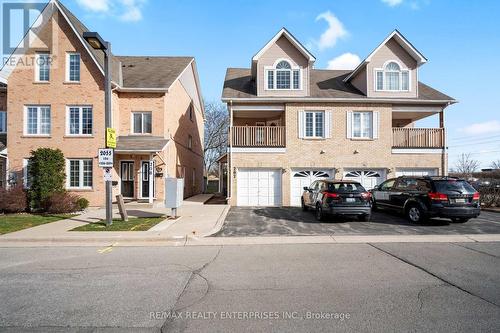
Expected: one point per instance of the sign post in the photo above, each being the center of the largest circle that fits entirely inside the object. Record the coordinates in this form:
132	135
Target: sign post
106	157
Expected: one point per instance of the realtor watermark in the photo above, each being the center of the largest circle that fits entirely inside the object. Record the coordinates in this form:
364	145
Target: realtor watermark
250	315
25	32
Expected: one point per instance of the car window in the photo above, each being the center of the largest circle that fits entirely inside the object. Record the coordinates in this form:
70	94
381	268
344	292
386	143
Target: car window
387	185
423	186
346	187
452	185
407	184
314	186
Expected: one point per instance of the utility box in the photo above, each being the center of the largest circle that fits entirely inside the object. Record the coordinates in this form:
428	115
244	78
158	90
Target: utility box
174	192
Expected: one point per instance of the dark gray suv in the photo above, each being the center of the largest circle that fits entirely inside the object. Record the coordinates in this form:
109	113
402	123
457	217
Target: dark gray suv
336	197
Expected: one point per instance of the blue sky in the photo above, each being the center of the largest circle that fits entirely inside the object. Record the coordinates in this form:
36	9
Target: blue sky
460	38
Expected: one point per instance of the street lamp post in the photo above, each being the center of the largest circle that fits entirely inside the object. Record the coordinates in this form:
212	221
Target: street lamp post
95	40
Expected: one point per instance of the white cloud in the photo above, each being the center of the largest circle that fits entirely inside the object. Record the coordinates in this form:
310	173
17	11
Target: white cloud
124	10
492	126
334	32
94	5
344	61
392	3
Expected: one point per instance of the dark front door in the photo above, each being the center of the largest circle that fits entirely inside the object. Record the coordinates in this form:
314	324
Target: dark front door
145	179
127	177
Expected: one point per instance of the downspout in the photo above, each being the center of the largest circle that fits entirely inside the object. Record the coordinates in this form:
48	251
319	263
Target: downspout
230	160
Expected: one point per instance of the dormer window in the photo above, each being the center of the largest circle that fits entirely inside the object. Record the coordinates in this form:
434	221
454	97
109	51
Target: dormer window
283	77
392	78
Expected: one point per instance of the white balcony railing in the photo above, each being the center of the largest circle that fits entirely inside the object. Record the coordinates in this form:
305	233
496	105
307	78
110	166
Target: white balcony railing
417	137
258	136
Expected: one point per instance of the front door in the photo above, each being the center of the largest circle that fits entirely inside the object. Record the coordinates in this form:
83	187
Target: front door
145	172
127	178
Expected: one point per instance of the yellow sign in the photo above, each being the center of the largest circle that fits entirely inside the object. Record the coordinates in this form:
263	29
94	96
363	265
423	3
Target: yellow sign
110	137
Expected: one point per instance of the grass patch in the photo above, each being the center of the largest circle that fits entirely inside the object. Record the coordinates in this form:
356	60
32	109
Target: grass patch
16	222
133	224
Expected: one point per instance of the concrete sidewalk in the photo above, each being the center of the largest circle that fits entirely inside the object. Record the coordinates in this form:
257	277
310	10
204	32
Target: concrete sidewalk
195	220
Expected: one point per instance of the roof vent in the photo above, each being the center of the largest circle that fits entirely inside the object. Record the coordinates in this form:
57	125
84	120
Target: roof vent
131	65
147	58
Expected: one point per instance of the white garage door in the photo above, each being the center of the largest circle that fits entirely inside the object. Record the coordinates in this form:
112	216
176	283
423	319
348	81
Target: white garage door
301	178
259	187
416	172
369	178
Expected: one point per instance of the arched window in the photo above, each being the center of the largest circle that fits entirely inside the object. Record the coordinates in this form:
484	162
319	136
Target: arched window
283	77
392	78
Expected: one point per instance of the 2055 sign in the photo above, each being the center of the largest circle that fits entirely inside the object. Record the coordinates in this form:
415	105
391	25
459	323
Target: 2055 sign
105	158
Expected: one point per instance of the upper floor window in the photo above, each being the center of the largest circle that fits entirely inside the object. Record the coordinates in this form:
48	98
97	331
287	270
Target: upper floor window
42	65
73	67
79	120
283	77
315	124
191	111
392	78
141	123
190	142
3	122
37	120
362	124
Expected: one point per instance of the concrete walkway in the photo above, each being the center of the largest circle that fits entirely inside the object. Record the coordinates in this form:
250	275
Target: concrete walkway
195	220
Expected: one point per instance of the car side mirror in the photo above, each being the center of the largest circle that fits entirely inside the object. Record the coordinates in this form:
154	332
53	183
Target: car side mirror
376	188
307	189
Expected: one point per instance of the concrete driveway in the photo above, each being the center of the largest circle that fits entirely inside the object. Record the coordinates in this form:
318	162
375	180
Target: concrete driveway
292	221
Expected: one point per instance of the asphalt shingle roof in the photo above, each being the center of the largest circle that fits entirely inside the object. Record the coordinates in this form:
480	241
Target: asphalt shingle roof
323	84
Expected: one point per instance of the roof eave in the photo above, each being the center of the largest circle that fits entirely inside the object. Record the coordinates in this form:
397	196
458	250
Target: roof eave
333	99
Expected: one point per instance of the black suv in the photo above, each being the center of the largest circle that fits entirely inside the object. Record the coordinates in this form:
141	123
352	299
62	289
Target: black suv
337	198
420	198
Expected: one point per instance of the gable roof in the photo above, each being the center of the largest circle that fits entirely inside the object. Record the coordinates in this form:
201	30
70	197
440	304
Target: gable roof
323	85
402	41
292	39
151	72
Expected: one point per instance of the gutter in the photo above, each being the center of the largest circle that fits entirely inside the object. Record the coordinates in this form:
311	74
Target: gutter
344	100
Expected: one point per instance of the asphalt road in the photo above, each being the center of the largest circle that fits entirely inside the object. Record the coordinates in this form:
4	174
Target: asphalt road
292	221
302	287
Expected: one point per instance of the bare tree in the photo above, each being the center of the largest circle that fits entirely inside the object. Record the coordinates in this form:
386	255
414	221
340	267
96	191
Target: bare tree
495	164
216	134
466	165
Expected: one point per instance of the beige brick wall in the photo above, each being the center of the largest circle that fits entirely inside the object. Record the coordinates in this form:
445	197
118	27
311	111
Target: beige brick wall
178	127
339	151
146	102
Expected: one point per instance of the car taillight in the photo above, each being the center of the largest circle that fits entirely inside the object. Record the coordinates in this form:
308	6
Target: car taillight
331	195
476	196
438	196
366	195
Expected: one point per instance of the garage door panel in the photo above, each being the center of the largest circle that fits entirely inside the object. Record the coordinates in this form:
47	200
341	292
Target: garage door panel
258	187
369	178
301	178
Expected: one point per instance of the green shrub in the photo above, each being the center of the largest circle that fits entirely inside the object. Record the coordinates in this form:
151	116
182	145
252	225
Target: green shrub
82	203
47	174
13	200
61	202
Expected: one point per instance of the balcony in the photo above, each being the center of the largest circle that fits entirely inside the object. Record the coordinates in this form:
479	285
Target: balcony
258	136
420	138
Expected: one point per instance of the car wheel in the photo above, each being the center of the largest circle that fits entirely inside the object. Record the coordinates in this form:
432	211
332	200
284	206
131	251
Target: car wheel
459	219
319	213
304	207
415	214
365	217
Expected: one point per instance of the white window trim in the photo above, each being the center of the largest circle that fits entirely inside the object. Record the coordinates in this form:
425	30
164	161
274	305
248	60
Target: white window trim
382	69
5	113
314	136
37	67
80	113
80	176
67	67
372	126
39	120
272	68
142	123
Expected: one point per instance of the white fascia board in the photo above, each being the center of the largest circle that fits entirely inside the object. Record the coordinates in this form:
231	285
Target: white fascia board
353	100
256	150
292	40
405	44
